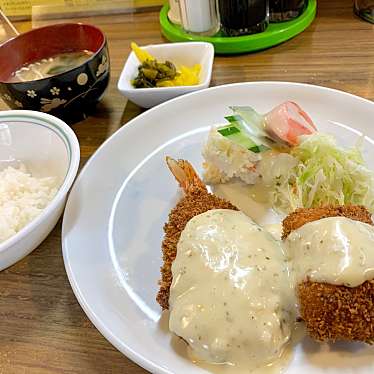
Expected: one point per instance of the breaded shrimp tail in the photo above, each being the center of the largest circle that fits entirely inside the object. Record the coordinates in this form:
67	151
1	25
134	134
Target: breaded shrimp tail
333	312
196	201
186	176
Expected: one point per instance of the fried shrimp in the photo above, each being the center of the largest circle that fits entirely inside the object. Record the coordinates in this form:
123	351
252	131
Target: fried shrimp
332	311
196	200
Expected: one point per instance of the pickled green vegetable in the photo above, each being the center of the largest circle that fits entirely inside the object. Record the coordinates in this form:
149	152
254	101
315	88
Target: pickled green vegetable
151	72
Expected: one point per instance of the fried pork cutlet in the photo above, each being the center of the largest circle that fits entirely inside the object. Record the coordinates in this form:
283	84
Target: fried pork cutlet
334	312
197	200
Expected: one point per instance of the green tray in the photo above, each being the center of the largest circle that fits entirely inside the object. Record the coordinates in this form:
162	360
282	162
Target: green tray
276	33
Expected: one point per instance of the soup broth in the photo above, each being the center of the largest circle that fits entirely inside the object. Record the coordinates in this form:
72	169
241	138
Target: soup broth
48	67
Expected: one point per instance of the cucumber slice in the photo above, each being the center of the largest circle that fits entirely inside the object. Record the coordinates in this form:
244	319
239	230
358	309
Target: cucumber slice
228	130
236	135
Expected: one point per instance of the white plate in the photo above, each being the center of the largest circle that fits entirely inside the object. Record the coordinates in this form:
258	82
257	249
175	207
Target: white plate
112	226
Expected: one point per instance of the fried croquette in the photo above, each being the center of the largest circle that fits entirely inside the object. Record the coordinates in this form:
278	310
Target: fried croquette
337	312
304	215
333	312
196	201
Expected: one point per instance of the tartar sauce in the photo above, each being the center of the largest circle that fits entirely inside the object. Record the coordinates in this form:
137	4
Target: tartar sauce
231	298
334	250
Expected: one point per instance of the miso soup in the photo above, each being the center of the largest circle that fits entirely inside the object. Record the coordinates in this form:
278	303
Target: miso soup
48	67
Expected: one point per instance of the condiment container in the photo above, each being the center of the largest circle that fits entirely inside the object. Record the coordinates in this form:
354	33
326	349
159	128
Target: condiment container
174	12
241	17
199	16
285	10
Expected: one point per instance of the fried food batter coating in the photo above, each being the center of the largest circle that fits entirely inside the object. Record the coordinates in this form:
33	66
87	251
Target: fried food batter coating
196	201
304	215
337	312
334	312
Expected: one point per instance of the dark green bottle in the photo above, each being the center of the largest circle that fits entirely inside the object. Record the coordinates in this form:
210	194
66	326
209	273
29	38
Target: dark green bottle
285	10
241	17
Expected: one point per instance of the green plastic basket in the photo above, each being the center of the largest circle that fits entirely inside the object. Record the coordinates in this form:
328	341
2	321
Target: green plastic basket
276	33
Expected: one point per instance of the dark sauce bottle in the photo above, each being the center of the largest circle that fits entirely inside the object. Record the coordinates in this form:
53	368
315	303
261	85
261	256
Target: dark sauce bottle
241	17
285	10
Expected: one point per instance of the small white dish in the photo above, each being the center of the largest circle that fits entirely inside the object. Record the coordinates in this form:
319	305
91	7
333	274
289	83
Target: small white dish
47	147
187	54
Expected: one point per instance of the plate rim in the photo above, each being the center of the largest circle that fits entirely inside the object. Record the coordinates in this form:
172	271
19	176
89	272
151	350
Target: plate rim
121	346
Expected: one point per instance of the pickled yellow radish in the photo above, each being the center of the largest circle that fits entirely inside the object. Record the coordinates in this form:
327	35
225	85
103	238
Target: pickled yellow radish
185	76
141	54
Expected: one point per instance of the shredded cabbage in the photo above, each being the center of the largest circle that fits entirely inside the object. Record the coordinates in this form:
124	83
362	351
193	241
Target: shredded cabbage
323	174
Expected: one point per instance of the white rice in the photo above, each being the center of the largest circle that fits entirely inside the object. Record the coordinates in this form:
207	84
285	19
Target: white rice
22	198
225	160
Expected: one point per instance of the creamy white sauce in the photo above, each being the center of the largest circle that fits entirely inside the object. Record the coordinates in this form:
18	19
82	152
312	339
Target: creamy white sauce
253	200
276	367
231	299
274	229
335	250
